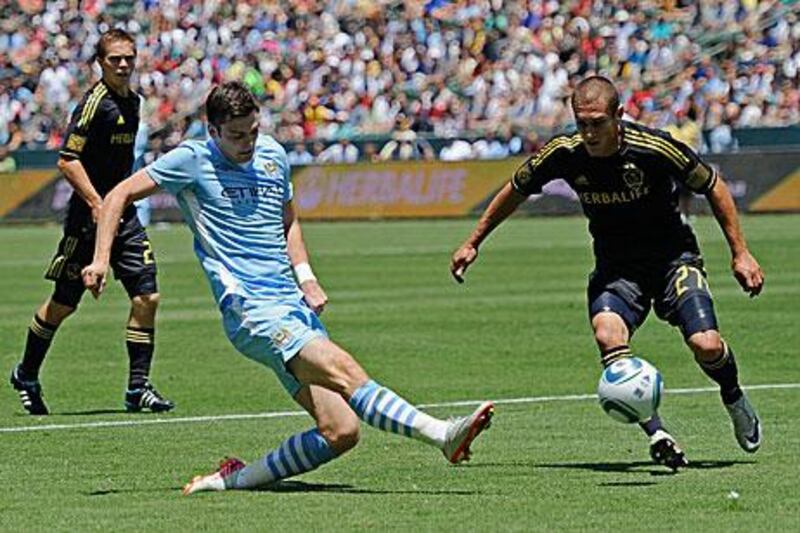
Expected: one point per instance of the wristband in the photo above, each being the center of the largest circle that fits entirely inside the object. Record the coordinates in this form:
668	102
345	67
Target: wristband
303	273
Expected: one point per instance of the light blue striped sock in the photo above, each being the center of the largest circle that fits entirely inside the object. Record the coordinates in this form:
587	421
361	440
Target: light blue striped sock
381	408
299	453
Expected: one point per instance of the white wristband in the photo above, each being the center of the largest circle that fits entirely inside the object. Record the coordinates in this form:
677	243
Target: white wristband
303	273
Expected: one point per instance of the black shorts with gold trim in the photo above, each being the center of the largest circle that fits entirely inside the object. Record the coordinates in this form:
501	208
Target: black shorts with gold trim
676	290
132	260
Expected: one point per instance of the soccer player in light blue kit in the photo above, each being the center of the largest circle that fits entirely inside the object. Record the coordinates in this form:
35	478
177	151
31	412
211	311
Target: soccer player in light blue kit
236	196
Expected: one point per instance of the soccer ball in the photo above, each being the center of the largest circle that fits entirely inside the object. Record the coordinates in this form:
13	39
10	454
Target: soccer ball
630	390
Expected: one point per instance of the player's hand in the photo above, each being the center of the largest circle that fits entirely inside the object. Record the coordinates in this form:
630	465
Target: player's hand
94	278
748	273
314	296
461	260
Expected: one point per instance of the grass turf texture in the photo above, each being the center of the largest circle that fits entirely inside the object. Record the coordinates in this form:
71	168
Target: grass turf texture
516	329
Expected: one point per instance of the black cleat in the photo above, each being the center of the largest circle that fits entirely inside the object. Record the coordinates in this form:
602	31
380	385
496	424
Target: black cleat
30	394
665	452
147	397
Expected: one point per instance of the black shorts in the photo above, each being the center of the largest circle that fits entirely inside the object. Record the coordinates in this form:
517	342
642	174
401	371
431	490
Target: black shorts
677	291
132	260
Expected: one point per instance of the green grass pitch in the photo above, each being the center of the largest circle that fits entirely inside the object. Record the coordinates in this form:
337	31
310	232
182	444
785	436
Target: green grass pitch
516	330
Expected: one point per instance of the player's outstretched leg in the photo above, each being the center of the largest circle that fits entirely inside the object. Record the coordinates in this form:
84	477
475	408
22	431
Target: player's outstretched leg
382	408
718	362
337	432
298	454
323	363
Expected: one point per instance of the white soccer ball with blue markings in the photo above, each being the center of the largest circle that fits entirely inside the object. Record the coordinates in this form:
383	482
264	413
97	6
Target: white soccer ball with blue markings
630	390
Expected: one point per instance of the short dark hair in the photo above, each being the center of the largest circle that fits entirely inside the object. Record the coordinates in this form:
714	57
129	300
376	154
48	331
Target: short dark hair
109	37
230	100
596	87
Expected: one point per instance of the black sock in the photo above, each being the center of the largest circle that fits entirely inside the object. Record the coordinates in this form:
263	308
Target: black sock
724	371
651	425
40	335
612	354
140	343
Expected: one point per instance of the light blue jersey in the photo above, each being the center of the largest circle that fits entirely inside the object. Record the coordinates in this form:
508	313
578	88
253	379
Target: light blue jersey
235	212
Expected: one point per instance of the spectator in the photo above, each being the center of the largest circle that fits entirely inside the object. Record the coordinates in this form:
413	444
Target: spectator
331	69
342	151
405	144
299	155
7	162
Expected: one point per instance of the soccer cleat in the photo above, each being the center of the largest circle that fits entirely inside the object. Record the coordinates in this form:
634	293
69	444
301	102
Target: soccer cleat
30	394
462	431
147	397
214	481
665	451
746	425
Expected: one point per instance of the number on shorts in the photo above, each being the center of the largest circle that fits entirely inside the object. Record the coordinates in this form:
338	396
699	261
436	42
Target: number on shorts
684	271
147	255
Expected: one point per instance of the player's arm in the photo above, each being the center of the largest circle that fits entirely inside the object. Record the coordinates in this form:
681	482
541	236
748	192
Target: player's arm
76	175
502	205
137	186
745	267
298	255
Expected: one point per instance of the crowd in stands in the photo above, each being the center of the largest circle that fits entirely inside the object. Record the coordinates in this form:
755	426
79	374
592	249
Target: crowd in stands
329	72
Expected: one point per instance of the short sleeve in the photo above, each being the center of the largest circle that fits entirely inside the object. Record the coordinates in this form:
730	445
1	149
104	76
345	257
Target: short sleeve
175	170
80	123
541	168
695	173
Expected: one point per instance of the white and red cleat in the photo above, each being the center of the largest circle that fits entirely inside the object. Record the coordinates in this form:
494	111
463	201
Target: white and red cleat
216	480
462	431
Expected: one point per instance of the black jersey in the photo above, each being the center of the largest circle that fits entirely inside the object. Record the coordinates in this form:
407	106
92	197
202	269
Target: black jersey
631	197
101	133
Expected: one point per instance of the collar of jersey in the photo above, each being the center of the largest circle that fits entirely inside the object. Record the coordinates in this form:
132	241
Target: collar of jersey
212	145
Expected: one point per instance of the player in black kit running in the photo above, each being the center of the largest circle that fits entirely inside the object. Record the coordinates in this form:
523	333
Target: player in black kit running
626	177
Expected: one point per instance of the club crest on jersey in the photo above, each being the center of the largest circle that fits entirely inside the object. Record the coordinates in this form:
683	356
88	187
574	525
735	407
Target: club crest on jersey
633	177
270	167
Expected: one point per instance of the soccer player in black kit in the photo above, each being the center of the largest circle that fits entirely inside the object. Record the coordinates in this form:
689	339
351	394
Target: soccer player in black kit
626	176
96	155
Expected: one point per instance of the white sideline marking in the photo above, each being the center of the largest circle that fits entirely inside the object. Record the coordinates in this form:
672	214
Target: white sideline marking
286	414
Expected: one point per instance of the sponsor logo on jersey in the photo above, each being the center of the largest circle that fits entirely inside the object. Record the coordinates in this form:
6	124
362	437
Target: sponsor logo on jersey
252	192
123	138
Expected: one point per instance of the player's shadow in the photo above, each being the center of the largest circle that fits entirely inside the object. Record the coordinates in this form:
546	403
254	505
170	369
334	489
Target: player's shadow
92	412
290	486
640	467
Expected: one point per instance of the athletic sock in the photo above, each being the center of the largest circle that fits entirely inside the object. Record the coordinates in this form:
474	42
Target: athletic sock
652	425
381	408
299	453
140	343
40	336
613	354
725	373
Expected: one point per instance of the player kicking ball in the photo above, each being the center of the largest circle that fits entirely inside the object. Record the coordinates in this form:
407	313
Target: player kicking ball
236	196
